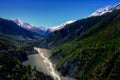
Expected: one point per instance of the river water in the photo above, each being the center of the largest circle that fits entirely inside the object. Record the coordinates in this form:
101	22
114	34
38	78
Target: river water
48	65
43	64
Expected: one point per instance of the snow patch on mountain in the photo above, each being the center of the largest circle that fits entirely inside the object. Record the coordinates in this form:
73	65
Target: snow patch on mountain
55	28
40	30
102	11
105	10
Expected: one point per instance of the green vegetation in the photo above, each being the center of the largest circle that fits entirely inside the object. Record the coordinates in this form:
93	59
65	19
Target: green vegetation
11	68
88	49
11	57
14	50
92	46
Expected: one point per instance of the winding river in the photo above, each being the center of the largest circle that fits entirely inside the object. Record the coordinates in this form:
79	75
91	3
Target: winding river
43	64
48	65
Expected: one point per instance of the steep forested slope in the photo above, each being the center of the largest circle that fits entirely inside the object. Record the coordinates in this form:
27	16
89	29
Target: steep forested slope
88	49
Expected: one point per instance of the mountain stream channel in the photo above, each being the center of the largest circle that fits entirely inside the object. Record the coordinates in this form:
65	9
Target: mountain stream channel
42	63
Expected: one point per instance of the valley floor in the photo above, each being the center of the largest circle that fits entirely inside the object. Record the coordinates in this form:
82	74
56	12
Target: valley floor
36	60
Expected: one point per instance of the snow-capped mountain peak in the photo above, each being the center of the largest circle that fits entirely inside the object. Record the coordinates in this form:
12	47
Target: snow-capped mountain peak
102	11
18	21
23	24
105	10
117	6
54	28
40	30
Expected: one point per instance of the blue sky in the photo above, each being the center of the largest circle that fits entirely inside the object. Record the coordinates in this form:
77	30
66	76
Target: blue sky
49	13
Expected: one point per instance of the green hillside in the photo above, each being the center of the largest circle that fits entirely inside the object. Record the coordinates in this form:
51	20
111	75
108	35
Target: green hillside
14	50
11	58
88	49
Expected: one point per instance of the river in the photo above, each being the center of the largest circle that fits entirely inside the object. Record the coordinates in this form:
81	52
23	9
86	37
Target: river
43	64
48	65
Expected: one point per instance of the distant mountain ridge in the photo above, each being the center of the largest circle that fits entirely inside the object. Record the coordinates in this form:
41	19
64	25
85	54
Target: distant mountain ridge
55	28
11	31
105	10
44	32
40	30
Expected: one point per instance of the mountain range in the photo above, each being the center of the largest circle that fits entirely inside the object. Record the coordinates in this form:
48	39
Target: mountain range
44	32
105	10
88	49
85	49
41	30
13	32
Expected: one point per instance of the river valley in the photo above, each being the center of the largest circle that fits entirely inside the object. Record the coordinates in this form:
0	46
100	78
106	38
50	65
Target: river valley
43	64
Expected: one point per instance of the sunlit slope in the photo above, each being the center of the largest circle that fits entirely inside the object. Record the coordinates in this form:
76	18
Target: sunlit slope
93	53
